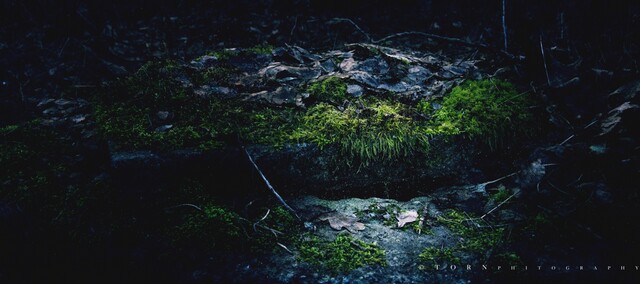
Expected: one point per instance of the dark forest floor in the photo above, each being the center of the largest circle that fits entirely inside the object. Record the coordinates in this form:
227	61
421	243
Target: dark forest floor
79	217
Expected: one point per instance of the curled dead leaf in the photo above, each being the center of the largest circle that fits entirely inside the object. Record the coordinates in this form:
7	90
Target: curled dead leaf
406	217
339	221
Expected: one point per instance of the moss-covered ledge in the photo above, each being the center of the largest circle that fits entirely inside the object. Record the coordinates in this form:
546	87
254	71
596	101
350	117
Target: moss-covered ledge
330	138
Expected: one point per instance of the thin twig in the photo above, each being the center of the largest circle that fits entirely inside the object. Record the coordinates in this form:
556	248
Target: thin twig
186	205
62	48
590	124
261	219
499	179
504	22
284	247
273	231
501	203
566	140
444	38
295	24
266	181
354	24
546	71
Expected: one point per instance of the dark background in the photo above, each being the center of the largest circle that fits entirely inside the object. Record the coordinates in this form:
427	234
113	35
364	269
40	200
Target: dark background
49	48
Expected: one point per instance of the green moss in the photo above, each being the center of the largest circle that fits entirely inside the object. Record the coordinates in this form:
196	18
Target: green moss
31	158
508	259
385	213
417	228
213	227
476	240
217	75
365	130
486	109
225	54
439	256
261	49
344	254
382	130
332	89
501	195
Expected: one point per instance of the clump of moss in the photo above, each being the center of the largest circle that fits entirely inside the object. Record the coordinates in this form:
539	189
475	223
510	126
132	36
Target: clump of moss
213	227
385	213
126	112
344	254
501	195
32	157
332	89
225	54
475	239
218	75
365	130
261	49
439	256
487	108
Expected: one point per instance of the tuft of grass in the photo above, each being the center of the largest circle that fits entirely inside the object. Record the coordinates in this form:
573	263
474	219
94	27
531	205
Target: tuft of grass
380	130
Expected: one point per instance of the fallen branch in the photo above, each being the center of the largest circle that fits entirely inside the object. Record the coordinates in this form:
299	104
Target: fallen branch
431	36
273	231
504	22
334	20
481	186
546	71
261	219
501	203
266	181
284	247
447	39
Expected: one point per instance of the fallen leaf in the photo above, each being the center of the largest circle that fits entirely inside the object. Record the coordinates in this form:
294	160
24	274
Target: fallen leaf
339	221
407	217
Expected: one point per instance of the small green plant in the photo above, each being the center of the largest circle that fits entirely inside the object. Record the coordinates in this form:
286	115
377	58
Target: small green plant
344	254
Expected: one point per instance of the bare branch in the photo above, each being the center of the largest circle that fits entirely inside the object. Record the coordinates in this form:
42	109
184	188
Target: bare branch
266	181
335	20
501	203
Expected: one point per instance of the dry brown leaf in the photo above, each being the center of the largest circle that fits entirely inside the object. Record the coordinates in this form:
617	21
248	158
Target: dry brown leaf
407	217
339	221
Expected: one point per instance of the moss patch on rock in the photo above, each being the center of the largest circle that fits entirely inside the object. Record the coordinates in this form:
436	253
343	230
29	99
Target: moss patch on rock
332	89
486	109
344	254
474	240
367	129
